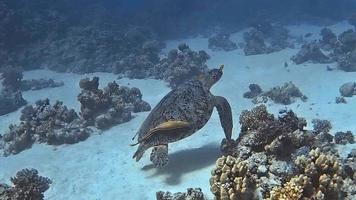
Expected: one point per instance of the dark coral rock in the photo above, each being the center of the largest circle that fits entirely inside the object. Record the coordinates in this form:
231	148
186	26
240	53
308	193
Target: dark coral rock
347	62
255	90
329	39
255	43
28	185
285	94
348	89
221	41
10	101
321	126
310	53
111	105
191	194
11	78
347	41
339	100
344	137
39	84
181	65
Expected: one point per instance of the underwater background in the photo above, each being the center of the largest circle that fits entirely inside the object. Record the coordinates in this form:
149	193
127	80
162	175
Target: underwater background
79	78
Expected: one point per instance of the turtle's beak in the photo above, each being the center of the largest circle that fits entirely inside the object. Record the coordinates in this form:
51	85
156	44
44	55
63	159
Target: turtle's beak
221	67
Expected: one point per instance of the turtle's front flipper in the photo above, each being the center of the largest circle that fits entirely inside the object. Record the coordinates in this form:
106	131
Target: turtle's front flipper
224	110
159	155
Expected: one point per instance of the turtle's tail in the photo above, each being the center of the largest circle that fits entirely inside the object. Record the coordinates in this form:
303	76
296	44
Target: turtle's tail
139	152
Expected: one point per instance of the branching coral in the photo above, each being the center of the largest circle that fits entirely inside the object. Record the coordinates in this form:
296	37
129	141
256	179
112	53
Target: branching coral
320	178
231	180
191	194
28	185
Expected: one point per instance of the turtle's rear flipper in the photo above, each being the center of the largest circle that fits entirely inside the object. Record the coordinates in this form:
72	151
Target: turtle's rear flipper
164	128
159	155
224	110
139	152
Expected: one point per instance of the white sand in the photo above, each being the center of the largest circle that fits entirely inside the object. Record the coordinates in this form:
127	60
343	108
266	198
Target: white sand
101	167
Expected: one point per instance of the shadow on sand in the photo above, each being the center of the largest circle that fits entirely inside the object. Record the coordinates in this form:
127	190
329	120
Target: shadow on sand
186	161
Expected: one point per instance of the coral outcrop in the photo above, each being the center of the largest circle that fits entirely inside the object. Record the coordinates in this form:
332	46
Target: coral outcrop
28	185
255	43
109	106
285	94
191	194
348	89
329	39
181	65
44	123
221	42
344	137
310	53
10	94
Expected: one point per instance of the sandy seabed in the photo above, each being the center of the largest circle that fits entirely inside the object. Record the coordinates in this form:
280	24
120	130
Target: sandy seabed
101	167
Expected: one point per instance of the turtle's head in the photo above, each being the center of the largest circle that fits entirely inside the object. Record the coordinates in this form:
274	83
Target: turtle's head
211	77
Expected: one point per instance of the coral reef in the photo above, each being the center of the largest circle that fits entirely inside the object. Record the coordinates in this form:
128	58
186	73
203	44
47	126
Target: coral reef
10	95
221	41
180	65
310	53
348	89
191	194
344	137
321	126
44	123
28	185
285	94
255	91
231	180
39	84
340	100
255	43
329	39
284	160
320	176
265	38
109	106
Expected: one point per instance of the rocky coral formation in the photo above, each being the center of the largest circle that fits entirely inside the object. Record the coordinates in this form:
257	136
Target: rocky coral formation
329	39
255	43
28	185
278	155
44	123
285	94
310	53
348	89
255	91
265	38
10	95
109	106
344	137
181	65
221	42
38	84
191	194
231	180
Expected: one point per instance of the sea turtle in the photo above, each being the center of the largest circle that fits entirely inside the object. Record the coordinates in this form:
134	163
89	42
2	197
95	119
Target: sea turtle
182	112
